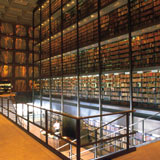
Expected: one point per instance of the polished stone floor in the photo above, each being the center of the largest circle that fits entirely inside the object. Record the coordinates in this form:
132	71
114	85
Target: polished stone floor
17	145
147	152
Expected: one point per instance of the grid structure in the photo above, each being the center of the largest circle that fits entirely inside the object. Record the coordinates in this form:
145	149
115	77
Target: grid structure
16	55
102	51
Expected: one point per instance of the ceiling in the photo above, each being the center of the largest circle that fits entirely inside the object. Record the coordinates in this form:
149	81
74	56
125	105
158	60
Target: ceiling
17	11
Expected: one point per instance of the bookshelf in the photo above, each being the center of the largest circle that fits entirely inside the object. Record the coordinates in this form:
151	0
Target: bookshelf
86	8
88	60
89	88
115	55
145	48
115	88
92	59
69	89
69	16
146	89
144	13
114	23
56	66
88	33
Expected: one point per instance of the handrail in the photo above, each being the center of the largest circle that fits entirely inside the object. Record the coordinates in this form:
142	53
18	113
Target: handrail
145	119
90	131
94	131
76	142
137	122
109	122
103	125
80	118
108	139
152	130
107	114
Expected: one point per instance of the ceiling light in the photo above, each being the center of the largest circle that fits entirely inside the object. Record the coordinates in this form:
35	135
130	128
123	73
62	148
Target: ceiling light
140	72
92	16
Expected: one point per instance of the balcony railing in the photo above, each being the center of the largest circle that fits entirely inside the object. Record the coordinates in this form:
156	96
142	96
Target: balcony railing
76	137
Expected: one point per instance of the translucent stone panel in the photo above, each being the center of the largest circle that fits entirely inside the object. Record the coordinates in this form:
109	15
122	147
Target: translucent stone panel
20	30
5	71
20	44
30	32
6	57
20	71
20	57
7	28
7	42
20	85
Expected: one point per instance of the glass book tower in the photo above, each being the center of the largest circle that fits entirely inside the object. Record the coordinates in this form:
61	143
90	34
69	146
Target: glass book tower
95	53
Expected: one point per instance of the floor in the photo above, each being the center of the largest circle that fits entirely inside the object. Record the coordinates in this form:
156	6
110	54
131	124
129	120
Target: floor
17	145
147	152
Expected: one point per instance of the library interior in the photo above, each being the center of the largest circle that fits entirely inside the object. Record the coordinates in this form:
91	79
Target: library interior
80	78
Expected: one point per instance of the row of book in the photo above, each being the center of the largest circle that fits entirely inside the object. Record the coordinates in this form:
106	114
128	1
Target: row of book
115	87
144	12
113	23
86	7
115	55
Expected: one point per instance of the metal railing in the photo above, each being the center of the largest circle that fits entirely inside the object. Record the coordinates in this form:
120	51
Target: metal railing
82	144
143	134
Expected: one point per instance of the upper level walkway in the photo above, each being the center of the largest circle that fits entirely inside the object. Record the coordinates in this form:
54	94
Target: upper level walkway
15	144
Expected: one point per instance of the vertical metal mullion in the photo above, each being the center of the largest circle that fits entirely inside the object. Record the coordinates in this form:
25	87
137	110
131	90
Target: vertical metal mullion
27	117
62	98
33	59
7	107
100	71
2	104
27	59
40	75
127	126
16	114
130	60
13	60
46	125
77	23
78	130
50	64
